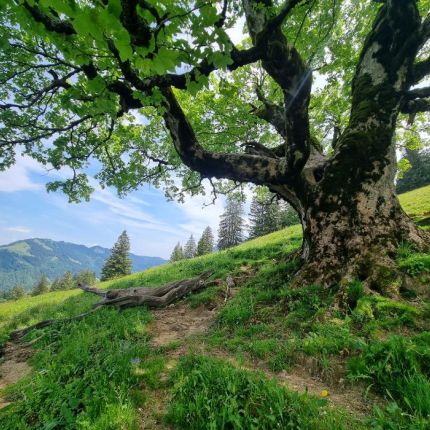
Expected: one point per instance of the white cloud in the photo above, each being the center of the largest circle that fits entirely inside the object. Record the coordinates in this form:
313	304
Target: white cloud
18	177
198	214
19	229
128	208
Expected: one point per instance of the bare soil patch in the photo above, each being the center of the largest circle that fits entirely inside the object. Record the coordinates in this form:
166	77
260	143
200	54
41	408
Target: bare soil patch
13	366
177	322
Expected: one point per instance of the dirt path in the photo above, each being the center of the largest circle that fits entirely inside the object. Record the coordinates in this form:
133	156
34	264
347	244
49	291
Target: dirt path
13	367
178	322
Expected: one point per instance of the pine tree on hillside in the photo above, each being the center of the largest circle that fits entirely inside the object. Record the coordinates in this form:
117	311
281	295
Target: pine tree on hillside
119	262
230	232
55	285
288	215
264	215
177	253
85	277
206	242
66	282
41	287
190	248
17	292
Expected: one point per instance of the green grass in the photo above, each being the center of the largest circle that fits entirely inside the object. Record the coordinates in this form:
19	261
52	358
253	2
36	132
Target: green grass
97	372
84	375
416	204
211	394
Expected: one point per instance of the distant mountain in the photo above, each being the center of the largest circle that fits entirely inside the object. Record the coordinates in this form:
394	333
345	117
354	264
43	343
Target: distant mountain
24	261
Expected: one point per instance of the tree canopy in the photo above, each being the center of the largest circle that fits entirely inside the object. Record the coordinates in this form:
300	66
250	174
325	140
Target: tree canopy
310	103
109	82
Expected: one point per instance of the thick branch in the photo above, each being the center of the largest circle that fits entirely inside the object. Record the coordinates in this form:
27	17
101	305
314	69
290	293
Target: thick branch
414	106
285	65
420	71
272	113
52	24
237	167
418	93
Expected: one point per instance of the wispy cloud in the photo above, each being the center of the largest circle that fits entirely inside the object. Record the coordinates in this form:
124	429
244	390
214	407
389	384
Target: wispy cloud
18	177
19	229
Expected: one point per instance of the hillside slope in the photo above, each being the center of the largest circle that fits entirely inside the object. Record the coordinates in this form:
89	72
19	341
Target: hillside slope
258	356
24	261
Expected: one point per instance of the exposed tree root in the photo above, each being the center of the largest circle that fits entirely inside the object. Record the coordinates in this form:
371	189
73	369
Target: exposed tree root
124	298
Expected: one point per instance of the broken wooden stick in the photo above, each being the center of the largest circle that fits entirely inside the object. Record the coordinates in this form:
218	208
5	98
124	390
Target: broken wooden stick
124	298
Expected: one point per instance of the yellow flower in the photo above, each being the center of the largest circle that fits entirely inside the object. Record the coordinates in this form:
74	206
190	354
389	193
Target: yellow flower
324	393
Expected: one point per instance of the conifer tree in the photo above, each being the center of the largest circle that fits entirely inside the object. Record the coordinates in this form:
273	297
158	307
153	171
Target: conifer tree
190	248
66	282
177	253
119	262
288	215
55	286
41	287
17	292
231	226
85	277
206	242
265	215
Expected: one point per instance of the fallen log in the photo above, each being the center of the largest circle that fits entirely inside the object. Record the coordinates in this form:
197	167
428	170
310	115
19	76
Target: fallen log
128	297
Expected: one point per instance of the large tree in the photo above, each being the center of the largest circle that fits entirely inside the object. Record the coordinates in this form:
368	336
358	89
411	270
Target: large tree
77	76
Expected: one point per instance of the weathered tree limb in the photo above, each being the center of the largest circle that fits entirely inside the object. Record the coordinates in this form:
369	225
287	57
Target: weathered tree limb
124	298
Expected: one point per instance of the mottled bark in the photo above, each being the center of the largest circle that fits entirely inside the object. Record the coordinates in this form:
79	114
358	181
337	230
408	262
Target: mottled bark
354	231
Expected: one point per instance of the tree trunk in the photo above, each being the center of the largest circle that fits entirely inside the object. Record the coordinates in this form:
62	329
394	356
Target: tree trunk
353	225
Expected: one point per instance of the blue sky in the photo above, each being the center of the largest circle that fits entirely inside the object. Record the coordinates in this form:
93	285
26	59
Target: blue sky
154	224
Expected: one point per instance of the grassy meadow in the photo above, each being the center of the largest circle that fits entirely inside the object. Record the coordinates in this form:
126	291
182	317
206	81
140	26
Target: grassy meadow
103	372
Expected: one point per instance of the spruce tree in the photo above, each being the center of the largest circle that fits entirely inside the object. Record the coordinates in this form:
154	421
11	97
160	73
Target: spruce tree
177	253
265	215
85	277
119	262
56	284
206	242
231	226
41	287
190	248
288	215
17	292
66	282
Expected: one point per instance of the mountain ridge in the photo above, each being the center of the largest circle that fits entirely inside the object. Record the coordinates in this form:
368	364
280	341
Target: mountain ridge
24	261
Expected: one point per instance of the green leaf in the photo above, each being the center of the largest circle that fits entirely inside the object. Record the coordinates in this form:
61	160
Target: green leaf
220	60
97	84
